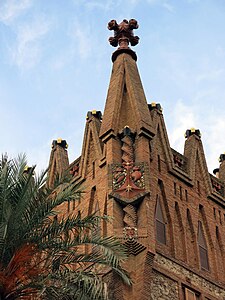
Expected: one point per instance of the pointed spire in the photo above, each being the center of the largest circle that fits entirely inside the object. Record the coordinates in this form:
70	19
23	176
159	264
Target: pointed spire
59	161
126	104
192	143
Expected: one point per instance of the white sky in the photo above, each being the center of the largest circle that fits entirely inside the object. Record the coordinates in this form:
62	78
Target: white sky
55	65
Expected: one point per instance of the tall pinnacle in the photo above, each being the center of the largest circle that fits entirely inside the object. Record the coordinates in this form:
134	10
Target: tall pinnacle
123	35
126	104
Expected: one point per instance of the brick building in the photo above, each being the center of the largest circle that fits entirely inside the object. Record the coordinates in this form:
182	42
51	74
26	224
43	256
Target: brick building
166	207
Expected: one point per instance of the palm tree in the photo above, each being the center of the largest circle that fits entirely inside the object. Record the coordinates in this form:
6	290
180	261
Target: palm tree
42	253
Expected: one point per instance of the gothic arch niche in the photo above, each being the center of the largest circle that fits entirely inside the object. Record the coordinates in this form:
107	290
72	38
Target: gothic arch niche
163	224
94	206
179	235
160	223
94	209
92	200
191	242
202	248
90	157
96	232
205	244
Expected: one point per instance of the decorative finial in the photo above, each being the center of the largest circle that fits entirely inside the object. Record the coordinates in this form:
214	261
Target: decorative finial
192	131
123	35
94	113
60	142
154	105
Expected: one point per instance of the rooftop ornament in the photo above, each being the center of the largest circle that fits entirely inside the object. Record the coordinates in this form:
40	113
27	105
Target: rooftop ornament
192	131
154	105
222	157
94	113
60	142
123	36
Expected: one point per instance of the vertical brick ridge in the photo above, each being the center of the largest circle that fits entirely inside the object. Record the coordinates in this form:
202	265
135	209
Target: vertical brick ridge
147	275
191	241
136	93
118	288
179	235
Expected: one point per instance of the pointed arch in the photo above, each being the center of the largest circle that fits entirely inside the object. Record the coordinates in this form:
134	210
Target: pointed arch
160	224
164	200
205	223
167	216
191	241
212	257
179	235
97	230
202	247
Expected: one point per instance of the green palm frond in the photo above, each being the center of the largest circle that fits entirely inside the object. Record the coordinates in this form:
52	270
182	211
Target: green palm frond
63	267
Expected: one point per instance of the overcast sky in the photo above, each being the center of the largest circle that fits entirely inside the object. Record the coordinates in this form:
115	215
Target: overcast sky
55	65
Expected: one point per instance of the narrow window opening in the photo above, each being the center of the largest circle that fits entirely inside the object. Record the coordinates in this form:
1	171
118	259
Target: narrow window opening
198	187
186	195
160	224
93	170
159	163
203	252
217	233
220	217
181	193
214	213
175	188
125	88
150	150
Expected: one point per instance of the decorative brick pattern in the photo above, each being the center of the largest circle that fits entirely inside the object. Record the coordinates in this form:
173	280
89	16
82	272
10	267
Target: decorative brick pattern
186	191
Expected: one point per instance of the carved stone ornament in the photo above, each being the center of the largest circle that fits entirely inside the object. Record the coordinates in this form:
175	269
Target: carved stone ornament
123	33
130	233
128	182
